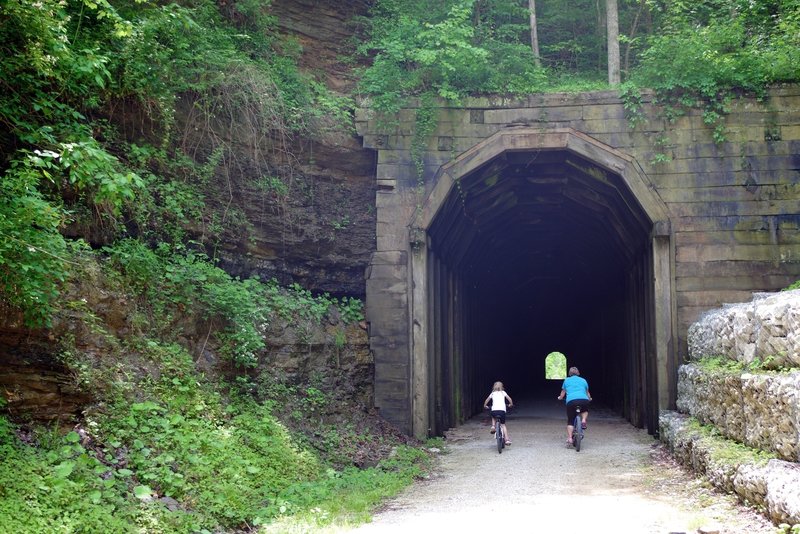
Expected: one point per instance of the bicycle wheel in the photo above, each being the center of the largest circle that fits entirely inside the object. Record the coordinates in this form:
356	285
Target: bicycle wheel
501	439
577	433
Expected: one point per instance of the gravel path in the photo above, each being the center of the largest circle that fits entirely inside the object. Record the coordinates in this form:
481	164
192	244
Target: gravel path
622	480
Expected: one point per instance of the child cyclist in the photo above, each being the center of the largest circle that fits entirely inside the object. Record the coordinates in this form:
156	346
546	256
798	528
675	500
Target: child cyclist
498	399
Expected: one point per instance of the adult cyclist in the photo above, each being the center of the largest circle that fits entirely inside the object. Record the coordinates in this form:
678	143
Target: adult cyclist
576	390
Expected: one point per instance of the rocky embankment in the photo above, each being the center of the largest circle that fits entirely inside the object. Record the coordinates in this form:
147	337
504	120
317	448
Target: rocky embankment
738	418
41	369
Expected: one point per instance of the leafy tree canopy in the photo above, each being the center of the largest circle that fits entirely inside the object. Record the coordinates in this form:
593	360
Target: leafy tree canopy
76	75
460	47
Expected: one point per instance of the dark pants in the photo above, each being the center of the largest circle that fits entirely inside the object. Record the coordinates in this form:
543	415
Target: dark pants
571	405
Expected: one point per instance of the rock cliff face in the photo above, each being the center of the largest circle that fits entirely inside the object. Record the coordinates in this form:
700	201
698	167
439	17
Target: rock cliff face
325	31
33	383
320	232
46	375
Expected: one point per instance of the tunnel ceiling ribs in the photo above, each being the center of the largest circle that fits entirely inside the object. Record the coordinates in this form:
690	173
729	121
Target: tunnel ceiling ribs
530	207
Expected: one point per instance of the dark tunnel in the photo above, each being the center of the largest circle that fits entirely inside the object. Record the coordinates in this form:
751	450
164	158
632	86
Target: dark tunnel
535	252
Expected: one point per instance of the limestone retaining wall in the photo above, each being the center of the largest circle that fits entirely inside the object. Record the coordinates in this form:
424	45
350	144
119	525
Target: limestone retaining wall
758	408
766	330
771	484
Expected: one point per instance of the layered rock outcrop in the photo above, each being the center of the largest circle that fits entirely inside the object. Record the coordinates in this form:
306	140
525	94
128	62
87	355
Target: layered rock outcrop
42	371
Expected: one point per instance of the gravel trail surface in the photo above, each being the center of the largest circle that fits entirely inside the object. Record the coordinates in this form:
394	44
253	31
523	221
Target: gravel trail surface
622	481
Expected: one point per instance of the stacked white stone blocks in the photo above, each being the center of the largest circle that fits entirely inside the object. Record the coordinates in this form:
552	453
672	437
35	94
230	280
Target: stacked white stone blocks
772	485
767	329
759	409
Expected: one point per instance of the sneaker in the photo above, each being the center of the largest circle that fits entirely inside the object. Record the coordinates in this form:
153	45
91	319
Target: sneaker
508	443
491	430
569	443
583	426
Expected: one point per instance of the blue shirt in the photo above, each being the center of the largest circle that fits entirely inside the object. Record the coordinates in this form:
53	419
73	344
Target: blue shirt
576	388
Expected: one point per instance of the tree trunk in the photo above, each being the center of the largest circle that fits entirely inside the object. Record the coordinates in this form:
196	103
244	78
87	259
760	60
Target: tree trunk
632	36
534	34
612	26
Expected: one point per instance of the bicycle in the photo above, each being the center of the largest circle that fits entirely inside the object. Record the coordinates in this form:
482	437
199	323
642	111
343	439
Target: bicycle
501	439
499	435
577	429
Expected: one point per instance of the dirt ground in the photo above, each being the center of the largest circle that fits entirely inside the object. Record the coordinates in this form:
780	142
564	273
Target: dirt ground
622	481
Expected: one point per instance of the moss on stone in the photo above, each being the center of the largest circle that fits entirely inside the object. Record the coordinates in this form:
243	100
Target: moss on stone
723	450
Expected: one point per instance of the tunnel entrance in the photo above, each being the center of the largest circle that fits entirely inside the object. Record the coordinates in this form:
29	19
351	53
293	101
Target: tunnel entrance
533	242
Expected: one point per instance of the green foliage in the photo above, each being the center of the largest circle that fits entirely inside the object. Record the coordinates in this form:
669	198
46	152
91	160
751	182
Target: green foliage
419	47
273	185
785	528
727	365
424	126
572	35
721	363
32	251
555	366
60	487
714	46
295	301
352	309
33	254
347	497
708	51
632	103
169	280
227	463
705	50
65	64
316	420
435	442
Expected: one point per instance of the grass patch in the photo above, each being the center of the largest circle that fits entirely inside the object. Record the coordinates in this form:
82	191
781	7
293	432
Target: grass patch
171	451
721	364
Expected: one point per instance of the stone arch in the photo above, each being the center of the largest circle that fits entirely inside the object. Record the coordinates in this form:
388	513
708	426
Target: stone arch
470	209
529	139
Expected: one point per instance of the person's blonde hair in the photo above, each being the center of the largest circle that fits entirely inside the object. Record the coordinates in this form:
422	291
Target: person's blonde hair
498	386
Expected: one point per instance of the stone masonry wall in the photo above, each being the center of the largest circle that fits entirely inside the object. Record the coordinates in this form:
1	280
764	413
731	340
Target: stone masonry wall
759	408
767	328
732	204
771	485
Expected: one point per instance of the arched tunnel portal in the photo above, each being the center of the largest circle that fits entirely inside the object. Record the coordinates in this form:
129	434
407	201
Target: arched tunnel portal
533	242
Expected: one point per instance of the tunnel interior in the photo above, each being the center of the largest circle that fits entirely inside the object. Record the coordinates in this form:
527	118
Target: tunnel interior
532	252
